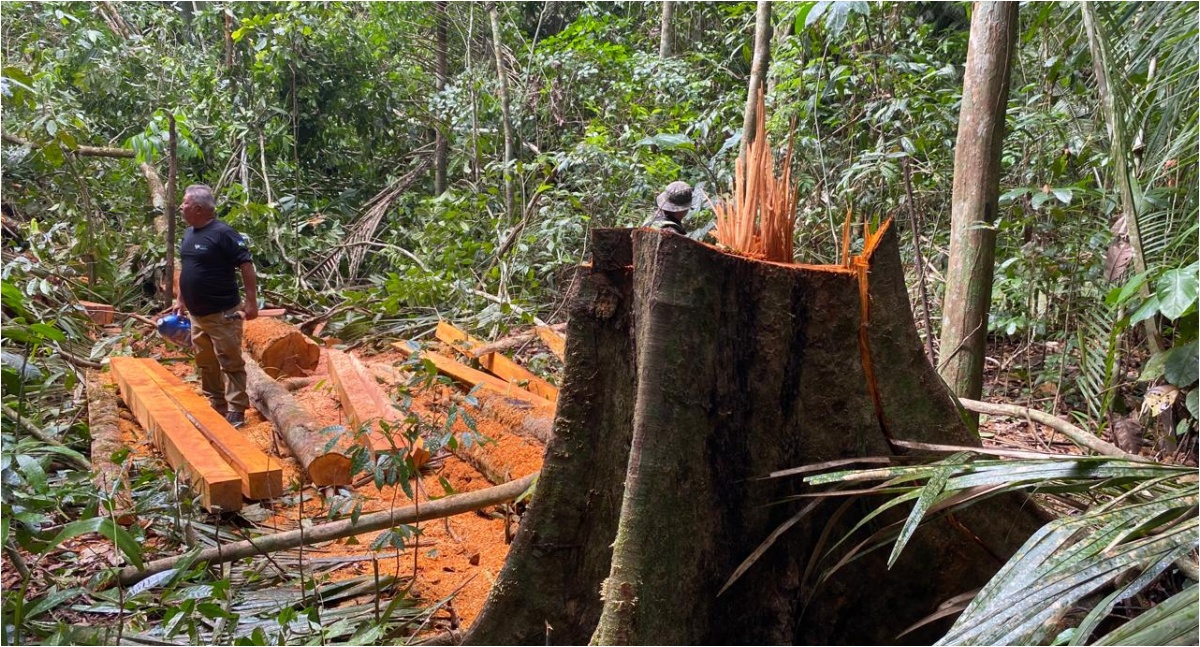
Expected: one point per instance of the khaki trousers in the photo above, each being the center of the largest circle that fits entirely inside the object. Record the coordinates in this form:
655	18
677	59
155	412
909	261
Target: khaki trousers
218	345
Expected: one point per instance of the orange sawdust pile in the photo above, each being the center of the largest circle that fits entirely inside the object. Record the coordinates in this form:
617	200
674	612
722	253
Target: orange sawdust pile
459	556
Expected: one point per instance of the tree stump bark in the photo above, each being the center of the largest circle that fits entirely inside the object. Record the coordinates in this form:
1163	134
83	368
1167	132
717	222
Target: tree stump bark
280	349
690	374
324	455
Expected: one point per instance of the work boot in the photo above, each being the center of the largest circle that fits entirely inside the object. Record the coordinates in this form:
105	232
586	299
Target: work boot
222	408
236	418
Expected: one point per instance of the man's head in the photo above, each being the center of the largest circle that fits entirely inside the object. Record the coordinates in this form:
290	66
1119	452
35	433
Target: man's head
676	200
198	205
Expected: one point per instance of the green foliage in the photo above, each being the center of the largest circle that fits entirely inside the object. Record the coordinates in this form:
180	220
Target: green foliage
1137	519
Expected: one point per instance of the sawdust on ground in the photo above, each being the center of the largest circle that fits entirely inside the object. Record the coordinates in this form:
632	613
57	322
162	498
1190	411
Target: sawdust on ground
460	556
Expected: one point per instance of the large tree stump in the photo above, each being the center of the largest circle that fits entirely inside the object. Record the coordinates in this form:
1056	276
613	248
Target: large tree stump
731	369
280	349
323	453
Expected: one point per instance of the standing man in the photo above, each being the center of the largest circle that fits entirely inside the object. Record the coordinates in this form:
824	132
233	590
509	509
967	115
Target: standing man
208	291
673	204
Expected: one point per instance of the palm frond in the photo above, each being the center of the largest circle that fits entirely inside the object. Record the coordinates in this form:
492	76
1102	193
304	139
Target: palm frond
1138	519
1172	622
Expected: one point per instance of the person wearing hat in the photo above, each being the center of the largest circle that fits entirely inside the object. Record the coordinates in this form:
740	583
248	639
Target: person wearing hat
673	204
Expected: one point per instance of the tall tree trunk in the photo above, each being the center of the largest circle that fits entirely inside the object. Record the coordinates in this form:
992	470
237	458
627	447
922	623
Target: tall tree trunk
510	145
441	75
976	196
172	175
666	41
758	68
690	373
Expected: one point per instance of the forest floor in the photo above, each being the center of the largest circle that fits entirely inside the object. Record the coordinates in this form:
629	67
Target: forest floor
453	562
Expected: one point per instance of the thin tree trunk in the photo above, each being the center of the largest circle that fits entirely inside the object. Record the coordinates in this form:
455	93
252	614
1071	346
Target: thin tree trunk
505	114
172	176
666	42
1114	118
975	198
441	74
758	68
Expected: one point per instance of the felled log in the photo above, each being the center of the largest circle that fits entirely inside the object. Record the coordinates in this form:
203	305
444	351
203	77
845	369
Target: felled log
104	428
690	373
280	349
512	341
519	416
309	443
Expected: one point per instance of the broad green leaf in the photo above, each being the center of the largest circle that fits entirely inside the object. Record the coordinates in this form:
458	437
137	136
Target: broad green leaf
1182	366
1063	195
1148	309
106	528
50	601
1193	403
32	470
1130	288
669	141
1177	291
48	332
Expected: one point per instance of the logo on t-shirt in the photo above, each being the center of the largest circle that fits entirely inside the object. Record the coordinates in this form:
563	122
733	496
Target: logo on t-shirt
203	248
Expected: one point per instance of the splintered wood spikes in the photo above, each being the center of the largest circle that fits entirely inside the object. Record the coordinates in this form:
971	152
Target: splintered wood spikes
759	219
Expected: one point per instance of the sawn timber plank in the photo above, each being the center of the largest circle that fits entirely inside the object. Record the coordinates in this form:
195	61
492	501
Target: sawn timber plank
262	476
186	449
497	363
365	402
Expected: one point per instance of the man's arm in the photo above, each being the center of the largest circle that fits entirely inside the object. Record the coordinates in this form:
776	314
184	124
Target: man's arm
250	280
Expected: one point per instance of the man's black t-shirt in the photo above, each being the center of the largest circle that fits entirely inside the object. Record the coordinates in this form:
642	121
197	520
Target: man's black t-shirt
210	256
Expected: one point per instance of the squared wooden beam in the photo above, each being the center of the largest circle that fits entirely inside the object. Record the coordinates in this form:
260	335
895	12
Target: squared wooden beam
497	363
471	377
365	402
261	475
185	448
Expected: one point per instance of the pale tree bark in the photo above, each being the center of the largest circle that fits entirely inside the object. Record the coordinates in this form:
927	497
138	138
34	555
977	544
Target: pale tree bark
441	74
975	198
666	41
758	68
172	178
505	115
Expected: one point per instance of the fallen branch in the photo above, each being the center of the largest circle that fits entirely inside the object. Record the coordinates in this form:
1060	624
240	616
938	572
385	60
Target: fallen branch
511	342
1074	434
446	507
44	437
92	151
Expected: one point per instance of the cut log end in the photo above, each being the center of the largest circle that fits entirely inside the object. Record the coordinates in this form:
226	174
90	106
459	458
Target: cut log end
280	349
329	469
